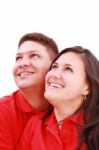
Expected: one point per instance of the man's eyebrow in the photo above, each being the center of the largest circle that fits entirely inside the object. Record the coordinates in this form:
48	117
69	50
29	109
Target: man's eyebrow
18	53
31	51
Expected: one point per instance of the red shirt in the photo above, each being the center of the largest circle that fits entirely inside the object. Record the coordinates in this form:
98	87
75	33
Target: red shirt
14	114
46	135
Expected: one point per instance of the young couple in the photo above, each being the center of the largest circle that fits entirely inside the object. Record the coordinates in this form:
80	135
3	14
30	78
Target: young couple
28	121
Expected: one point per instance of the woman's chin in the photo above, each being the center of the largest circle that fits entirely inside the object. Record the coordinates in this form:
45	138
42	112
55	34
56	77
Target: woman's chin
50	97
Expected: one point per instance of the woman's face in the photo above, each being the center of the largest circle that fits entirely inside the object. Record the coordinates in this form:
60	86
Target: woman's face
66	81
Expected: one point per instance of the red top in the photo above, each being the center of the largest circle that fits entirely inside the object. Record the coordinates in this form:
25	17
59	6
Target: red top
46	135
14	114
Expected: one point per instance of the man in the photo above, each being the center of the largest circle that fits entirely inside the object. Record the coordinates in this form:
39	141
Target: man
36	51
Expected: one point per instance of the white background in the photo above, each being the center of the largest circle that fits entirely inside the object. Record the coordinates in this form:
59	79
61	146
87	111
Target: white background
69	22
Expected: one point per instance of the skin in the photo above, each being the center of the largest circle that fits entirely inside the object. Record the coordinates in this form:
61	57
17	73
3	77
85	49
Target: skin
32	64
66	85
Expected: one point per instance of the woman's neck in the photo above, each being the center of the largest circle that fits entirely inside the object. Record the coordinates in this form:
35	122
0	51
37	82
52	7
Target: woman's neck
66	110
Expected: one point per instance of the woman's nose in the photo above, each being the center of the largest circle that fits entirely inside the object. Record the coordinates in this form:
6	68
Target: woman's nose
57	74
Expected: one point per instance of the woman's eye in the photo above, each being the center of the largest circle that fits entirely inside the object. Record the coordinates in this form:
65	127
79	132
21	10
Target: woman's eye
68	69
54	66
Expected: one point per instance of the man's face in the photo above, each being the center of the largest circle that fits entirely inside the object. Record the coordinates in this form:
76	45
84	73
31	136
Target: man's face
32	64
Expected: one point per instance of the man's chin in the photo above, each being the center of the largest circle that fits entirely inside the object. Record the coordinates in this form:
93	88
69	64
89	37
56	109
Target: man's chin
23	86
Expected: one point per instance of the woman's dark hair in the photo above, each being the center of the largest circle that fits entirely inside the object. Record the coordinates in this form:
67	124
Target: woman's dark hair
91	105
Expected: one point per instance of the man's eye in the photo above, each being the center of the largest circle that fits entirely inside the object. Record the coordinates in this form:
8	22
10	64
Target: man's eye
18	58
34	55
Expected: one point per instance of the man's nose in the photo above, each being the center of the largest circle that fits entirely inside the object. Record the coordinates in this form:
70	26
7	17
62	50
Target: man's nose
24	62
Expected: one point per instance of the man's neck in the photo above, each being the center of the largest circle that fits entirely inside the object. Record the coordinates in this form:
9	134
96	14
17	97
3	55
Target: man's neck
37	101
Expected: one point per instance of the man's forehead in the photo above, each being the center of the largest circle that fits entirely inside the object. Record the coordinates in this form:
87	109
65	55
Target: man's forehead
26	52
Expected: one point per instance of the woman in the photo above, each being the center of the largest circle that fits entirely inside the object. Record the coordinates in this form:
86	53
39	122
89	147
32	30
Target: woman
72	87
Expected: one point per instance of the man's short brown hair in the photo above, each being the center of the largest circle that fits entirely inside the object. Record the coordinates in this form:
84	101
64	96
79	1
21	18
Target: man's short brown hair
42	39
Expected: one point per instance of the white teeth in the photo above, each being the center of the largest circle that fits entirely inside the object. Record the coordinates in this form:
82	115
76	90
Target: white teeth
55	85
25	73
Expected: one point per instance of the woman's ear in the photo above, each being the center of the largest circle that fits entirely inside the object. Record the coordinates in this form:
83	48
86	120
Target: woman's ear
86	90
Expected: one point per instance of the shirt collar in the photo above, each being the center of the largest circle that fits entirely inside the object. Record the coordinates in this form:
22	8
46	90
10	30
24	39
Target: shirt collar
77	118
22	103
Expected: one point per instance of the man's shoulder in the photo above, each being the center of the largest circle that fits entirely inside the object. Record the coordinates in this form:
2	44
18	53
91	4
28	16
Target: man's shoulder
7	103
8	98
